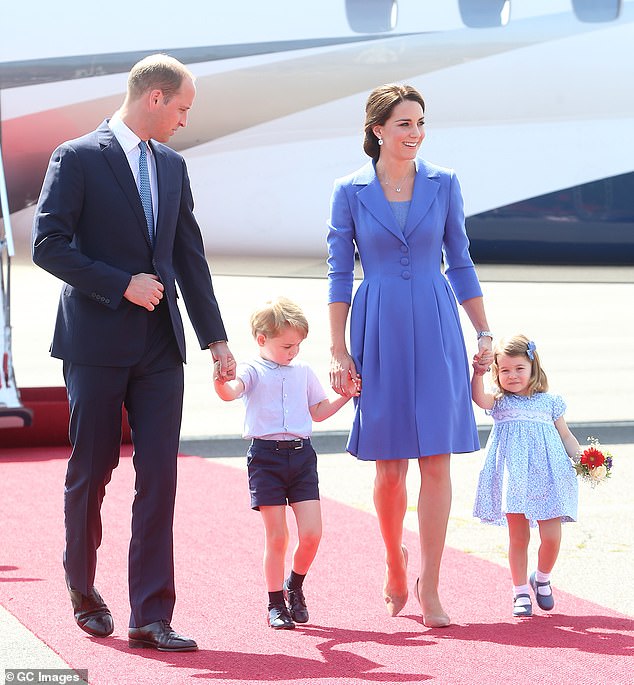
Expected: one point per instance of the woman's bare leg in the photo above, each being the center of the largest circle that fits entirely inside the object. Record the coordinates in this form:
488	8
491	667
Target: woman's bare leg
390	501
434	503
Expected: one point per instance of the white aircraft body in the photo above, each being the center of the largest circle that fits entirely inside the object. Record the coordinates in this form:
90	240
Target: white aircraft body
530	101
536	102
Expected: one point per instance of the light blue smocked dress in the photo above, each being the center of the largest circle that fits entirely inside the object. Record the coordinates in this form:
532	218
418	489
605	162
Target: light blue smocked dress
526	470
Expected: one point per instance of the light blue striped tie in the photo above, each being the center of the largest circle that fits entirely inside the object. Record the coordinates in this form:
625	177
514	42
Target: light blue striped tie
145	191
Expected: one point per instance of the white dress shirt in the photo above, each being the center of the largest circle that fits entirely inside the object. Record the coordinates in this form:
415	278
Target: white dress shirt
129	141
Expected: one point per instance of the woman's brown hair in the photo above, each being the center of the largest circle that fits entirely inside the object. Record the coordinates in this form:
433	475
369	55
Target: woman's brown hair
378	110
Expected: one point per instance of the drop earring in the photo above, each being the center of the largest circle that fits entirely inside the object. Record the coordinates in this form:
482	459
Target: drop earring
380	141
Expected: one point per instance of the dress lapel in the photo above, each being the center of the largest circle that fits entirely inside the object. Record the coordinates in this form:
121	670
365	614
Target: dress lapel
373	199
425	190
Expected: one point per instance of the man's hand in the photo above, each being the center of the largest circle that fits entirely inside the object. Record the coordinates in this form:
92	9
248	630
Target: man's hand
224	362
144	290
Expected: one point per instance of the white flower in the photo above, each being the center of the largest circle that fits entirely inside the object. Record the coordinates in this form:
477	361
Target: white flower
599	473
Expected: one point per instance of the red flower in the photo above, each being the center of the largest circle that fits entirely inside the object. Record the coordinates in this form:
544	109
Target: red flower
592	458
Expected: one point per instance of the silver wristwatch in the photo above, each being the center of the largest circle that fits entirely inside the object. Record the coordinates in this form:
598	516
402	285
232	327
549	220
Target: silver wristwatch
485	334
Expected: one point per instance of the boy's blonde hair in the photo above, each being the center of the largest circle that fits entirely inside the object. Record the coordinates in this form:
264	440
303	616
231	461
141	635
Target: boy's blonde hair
274	315
520	346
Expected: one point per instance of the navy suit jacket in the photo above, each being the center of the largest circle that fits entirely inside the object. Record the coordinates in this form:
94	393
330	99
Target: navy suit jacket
90	231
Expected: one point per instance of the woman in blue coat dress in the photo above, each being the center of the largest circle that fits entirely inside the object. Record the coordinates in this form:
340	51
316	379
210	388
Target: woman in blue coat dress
405	219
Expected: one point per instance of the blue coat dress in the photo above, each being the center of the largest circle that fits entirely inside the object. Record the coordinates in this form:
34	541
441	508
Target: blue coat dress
405	333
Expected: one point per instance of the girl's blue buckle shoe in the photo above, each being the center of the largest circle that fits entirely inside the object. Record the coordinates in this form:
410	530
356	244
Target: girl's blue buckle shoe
544	602
522	609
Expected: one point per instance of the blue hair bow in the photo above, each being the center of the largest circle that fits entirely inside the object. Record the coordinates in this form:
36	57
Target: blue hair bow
530	350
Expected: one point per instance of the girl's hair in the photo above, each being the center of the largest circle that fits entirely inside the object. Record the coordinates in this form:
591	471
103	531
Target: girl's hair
378	109
274	315
520	346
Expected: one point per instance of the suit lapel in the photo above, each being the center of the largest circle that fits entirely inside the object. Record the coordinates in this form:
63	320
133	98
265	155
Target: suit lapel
118	162
163	185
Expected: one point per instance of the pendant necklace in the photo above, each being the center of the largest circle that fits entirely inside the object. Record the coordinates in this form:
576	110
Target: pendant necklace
398	186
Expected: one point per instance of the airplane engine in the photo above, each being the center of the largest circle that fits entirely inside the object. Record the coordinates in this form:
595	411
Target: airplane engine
480	14
372	16
593	11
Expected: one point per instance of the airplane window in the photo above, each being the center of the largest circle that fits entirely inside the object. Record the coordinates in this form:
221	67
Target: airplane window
371	16
597	10
479	14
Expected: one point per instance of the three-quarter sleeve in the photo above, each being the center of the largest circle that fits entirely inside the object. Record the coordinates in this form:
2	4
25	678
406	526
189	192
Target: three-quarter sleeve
341	247
459	267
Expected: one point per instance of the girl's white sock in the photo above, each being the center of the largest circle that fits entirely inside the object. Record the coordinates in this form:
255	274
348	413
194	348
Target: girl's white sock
543	578
522	590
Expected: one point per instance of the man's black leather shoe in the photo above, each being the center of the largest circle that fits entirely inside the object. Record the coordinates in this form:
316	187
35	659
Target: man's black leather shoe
296	603
91	612
160	635
279	618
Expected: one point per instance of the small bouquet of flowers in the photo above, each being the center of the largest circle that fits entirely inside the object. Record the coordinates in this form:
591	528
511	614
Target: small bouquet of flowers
593	464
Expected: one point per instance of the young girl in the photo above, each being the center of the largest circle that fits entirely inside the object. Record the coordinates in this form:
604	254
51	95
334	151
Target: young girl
527	475
282	398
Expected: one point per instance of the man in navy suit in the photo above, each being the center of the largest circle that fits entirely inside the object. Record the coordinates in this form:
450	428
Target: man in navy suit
115	222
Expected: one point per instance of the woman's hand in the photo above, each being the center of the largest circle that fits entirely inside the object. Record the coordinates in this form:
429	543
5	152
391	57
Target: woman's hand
484	355
342	370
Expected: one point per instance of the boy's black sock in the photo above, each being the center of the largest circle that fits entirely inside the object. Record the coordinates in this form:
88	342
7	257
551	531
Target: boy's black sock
276	598
295	581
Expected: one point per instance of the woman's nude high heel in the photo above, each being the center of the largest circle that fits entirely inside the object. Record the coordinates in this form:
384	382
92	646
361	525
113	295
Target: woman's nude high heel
395	603
432	620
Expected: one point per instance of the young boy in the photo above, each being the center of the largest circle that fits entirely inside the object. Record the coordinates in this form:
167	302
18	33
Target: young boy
282	397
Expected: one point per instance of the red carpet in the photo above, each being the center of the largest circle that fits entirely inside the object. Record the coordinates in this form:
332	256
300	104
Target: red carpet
221	598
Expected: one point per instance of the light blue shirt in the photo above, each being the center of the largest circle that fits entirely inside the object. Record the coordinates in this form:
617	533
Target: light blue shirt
277	399
401	210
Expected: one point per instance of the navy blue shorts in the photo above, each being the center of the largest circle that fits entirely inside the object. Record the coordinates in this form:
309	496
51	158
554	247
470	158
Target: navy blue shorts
281	474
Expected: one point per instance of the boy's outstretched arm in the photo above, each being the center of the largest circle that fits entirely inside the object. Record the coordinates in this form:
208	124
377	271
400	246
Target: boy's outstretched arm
227	390
326	408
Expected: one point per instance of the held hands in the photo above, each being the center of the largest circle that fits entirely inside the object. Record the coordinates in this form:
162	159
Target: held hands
144	290
353	387
224	362
344	379
479	369
483	358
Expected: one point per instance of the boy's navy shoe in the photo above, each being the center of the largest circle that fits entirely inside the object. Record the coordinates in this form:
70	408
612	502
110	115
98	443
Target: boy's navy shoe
296	603
279	618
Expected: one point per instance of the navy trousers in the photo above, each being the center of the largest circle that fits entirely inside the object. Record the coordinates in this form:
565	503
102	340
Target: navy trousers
152	392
